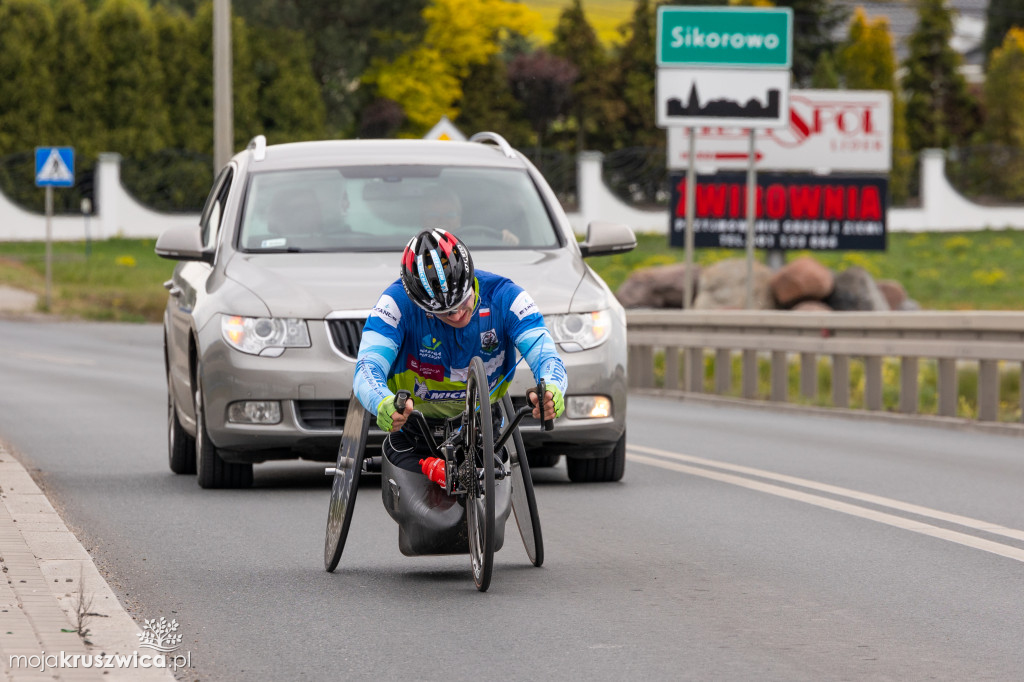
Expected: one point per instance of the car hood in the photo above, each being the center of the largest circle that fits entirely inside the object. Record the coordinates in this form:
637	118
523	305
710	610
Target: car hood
314	285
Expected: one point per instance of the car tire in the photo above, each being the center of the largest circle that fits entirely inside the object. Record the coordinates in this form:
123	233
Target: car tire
181	447
212	470
601	469
541	459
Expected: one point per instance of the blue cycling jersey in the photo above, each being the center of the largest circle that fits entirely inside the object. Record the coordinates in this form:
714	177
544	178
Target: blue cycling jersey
404	347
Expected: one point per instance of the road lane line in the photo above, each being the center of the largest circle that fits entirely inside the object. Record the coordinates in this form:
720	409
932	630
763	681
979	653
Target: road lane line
965	521
920	527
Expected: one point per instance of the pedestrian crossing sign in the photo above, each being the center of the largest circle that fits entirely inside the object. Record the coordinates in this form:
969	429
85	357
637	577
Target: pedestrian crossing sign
55	166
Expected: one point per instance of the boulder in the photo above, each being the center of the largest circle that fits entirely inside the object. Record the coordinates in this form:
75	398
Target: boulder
855	289
803	279
894	293
660	286
811	306
724	286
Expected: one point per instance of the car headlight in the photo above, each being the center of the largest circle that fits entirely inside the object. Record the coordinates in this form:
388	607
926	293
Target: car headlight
266	336
579	331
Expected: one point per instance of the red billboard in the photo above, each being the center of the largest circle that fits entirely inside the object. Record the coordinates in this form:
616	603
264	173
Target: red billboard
792	211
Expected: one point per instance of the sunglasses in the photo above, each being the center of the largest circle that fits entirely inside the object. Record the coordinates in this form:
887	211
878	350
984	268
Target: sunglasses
465	305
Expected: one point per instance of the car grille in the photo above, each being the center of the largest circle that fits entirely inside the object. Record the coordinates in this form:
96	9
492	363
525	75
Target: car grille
345	335
322	414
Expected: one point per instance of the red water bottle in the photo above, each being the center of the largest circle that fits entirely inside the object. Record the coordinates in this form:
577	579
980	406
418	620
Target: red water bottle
433	468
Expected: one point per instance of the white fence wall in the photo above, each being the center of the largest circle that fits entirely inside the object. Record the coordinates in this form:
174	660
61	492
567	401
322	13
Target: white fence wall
120	214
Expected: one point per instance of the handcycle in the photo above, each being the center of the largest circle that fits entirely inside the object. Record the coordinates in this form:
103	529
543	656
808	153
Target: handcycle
480	484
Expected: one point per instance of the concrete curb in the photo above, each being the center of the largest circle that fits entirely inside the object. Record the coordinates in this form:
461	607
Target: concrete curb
45	570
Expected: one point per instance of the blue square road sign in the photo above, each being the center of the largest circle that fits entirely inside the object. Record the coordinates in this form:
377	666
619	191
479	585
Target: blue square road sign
55	167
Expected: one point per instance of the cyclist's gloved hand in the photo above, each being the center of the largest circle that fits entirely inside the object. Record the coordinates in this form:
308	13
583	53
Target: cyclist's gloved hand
556	398
385	414
389	418
558	402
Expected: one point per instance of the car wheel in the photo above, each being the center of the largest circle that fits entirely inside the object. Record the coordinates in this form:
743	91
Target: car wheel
181	447
213	471
600	470
540	459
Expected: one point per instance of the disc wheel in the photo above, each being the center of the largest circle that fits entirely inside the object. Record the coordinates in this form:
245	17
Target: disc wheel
346	483
524	501
479	441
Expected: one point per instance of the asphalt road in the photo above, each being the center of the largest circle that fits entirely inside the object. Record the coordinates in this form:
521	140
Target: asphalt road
741	545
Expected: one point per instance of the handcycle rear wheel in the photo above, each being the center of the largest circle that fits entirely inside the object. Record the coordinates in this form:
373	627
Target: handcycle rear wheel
479	439
346	483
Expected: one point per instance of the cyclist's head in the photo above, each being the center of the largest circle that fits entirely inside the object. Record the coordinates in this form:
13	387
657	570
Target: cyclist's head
437	271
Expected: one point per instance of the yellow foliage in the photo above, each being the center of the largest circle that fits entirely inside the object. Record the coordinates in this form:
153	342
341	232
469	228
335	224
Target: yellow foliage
426	80
126	261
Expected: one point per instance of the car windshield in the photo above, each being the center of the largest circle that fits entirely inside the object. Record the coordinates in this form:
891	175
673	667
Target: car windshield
379	208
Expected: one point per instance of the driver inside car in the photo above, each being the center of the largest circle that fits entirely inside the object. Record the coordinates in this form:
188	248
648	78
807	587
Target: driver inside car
428	325
442	209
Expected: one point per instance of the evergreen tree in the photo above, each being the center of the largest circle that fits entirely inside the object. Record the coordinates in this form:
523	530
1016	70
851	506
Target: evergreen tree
76	84
27	91
867	61
344	37
633	76
940	110
1003	173
593	101
1000	17
487	103
290	105
1004	92
815	23
180	64
133	117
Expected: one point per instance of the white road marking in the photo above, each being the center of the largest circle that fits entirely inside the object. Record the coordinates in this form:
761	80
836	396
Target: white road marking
964	539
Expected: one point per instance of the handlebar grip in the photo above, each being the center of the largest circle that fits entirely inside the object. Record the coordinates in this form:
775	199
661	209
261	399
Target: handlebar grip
549	424
400	399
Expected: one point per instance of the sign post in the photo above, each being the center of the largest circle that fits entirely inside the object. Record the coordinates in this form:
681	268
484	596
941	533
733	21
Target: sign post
55	167
723	67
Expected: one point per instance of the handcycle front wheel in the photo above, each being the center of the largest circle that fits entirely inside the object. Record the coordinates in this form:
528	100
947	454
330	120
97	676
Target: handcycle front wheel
479	441
346	483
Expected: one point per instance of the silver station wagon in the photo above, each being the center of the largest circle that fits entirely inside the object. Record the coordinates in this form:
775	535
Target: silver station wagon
295	244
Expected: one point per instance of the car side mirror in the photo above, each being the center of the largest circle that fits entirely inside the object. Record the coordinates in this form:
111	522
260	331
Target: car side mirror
604	238
183	242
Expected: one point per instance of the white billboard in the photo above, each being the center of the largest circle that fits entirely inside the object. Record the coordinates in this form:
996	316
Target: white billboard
829	130
722	97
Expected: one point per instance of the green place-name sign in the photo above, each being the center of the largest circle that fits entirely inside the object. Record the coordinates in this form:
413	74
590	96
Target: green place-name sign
725	36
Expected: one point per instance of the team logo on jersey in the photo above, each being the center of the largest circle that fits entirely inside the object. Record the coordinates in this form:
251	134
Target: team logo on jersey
387	310
523	305
425	369
430	342
489	341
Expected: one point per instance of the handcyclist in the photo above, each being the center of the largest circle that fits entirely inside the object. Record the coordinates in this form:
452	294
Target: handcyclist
428	325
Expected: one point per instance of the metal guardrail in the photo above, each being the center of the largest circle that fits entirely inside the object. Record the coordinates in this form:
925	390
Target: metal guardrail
692	342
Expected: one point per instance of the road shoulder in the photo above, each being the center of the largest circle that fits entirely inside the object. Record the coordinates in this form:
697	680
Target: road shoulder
50	579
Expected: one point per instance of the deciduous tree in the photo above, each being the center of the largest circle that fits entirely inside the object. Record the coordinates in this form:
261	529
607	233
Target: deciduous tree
427	79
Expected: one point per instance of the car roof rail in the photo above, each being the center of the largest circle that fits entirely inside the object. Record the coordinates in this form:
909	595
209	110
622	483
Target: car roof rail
497	139
258	145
